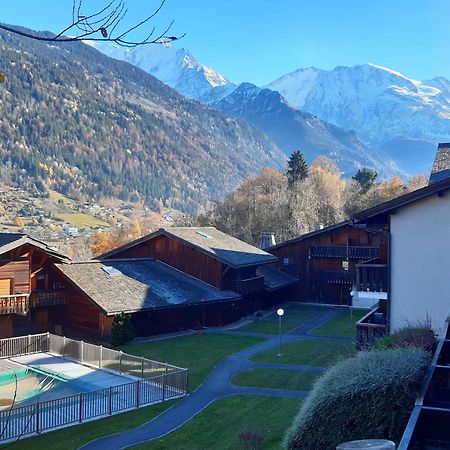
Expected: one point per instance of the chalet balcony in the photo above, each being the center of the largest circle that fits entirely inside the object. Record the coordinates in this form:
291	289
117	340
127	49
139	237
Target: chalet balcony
371	277
370	328
21	303
250	285
343	278
14	304
51	297
343	252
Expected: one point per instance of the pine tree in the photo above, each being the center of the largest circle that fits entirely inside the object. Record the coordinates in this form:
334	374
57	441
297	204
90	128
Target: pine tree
366	178
297	168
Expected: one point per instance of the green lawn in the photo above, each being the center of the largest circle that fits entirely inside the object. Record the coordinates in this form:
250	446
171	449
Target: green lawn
76	436
270	326
319	353
295	314
218	426
277	379
199	353
82	220
342	325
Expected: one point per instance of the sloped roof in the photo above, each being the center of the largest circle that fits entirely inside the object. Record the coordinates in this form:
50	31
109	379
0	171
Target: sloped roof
141	284
274	278
380	211
209	240
313	234
10	241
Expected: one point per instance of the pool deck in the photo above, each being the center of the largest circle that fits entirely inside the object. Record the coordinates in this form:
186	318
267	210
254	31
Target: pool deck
87	377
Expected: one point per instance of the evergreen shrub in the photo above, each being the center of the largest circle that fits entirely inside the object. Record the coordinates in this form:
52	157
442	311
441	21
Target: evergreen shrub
369	396
122	330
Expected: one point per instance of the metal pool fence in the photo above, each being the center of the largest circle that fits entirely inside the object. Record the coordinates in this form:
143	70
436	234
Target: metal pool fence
155	382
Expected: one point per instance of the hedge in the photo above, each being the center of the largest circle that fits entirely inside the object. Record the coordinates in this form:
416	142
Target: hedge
369	396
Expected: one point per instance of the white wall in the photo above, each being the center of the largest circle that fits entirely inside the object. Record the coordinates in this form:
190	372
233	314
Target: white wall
420	263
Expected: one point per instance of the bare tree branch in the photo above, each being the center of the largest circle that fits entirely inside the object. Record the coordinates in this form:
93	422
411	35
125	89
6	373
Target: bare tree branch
103	25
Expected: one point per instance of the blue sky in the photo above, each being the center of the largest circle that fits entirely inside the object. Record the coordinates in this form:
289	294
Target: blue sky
260	40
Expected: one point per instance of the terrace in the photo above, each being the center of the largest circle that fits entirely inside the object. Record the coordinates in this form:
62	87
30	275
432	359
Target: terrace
21	303
49	381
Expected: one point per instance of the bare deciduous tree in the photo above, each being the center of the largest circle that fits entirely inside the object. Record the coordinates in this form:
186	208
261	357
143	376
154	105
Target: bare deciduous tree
104	24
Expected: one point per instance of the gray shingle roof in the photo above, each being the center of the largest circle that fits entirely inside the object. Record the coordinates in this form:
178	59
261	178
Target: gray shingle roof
10	241
213	242
142	284
274	278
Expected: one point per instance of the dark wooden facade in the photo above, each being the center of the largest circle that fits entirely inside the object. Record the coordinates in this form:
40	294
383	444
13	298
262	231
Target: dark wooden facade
32	296
325	262
198	264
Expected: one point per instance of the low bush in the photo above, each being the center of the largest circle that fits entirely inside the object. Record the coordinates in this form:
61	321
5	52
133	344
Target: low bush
369	396
418	336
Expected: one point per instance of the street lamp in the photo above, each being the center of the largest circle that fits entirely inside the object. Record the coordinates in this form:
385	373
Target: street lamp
280	313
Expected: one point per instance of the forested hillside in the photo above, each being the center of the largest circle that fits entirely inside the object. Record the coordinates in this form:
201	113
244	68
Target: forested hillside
87	125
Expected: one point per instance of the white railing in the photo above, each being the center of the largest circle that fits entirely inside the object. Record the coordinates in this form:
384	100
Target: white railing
156	382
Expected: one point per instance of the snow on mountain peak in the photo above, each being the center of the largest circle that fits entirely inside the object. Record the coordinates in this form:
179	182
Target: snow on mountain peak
175	67
379	103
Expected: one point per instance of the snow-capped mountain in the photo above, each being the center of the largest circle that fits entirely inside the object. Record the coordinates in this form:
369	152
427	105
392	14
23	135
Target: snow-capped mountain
293	129
175	67
386	108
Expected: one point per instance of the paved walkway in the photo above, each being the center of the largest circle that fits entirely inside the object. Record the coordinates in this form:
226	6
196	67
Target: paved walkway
218	385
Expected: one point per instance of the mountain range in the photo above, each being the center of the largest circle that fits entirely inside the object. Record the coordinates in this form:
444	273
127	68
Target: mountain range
90	126
394	121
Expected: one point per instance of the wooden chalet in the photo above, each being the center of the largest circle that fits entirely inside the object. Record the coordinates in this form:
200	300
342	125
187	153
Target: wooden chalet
32	296
215	258
329	263
159	298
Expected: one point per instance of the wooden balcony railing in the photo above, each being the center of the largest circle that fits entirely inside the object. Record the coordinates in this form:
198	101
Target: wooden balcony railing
21	303
344	277
250	285
370	328
14	304
372	277
48	298
343	252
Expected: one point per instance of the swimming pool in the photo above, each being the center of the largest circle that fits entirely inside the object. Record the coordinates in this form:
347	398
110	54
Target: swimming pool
24	384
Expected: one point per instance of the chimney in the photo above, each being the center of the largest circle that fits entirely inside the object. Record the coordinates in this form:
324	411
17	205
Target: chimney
441	165
266	240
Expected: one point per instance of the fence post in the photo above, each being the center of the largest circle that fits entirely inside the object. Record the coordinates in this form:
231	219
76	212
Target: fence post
120	361
100	356
81	351
81	407
164	383
138	385
48	341
142	367
64	346
37	416
28	344
110	400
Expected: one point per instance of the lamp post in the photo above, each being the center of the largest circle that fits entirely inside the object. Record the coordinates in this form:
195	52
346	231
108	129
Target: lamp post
280	313
352	295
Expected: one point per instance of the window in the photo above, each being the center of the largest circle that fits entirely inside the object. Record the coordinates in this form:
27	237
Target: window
345	265
286	262
40	282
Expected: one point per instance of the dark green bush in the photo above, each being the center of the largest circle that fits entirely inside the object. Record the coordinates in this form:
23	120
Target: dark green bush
369	396
418	336
122	330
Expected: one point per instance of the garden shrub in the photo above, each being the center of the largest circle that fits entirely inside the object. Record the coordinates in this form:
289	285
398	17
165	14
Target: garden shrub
122	330
369	396
421	336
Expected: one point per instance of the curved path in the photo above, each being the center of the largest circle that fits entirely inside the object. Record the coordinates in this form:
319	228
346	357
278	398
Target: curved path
218	385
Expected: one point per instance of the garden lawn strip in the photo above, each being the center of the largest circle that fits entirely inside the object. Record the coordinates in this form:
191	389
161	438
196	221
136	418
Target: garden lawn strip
218	426
277	379
322	353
